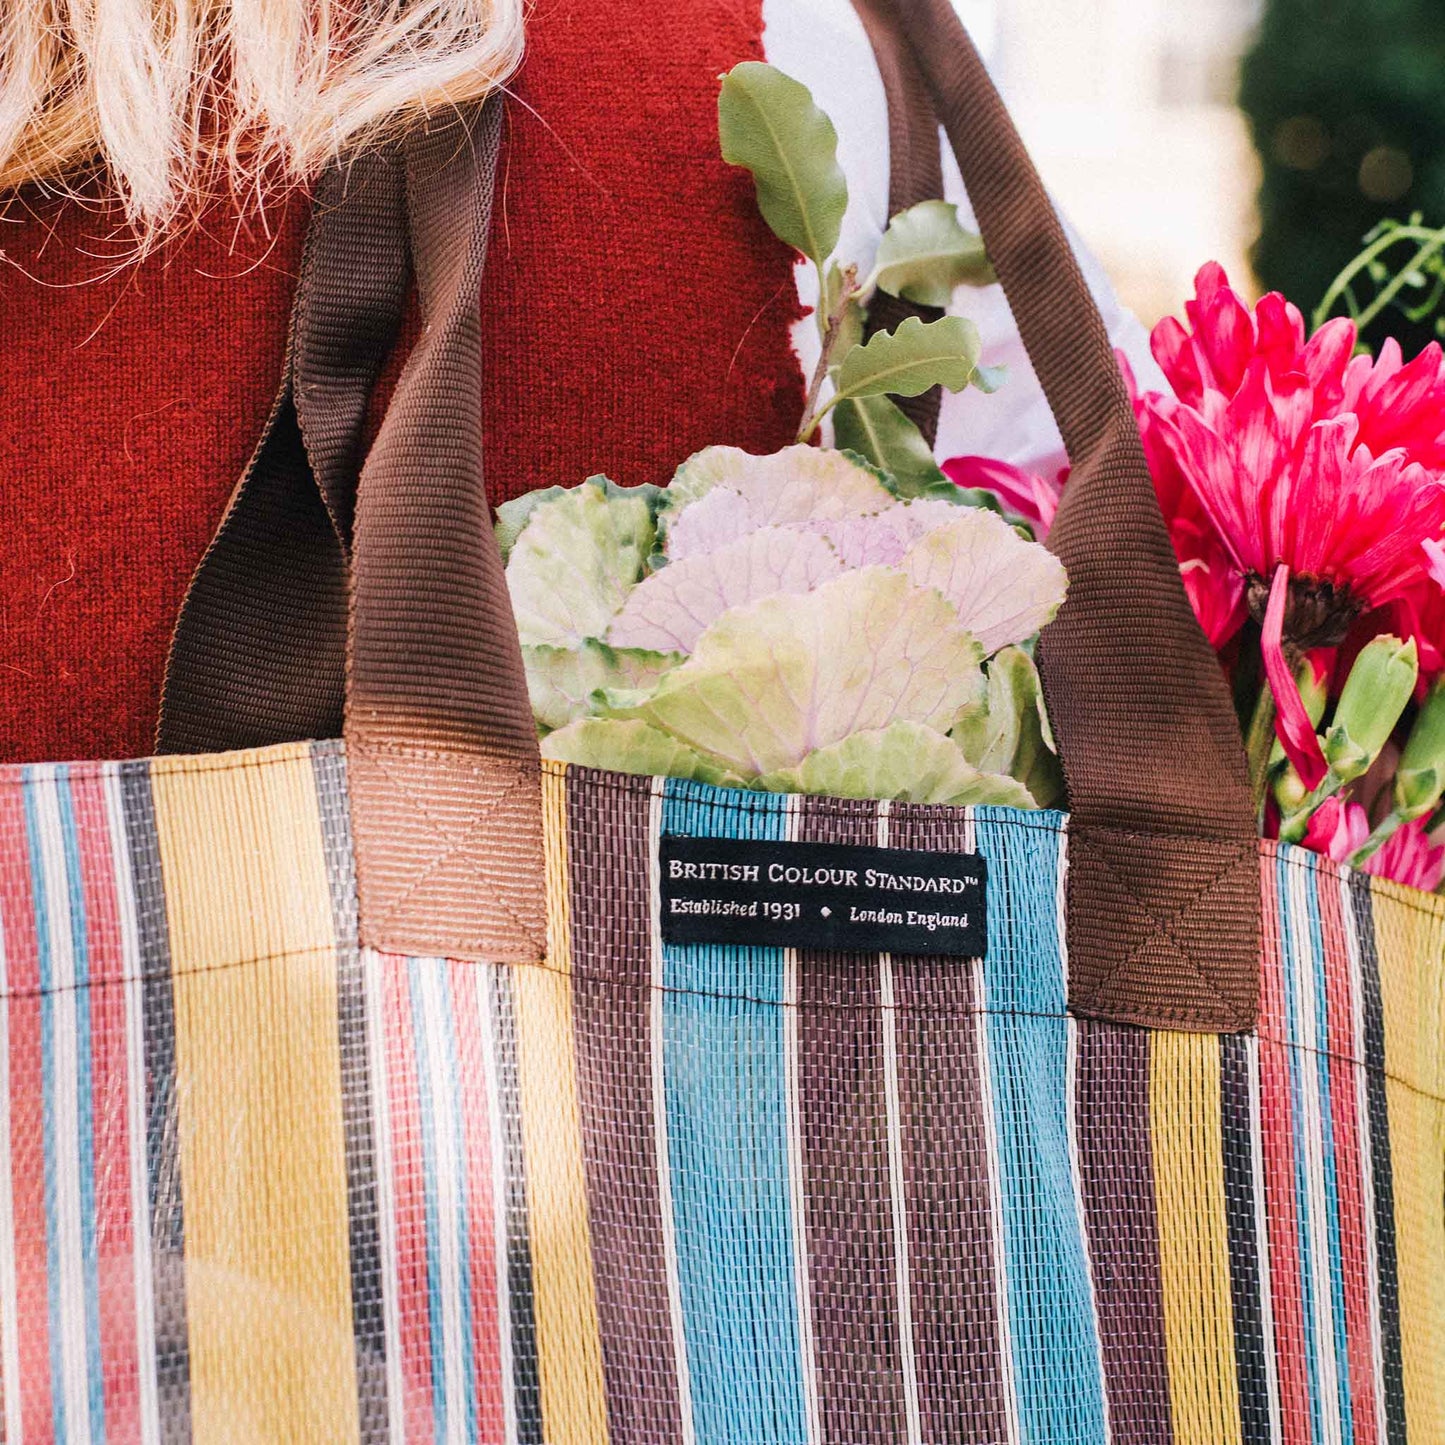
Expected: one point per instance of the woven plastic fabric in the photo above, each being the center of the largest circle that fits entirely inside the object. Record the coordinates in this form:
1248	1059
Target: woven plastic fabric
258	1184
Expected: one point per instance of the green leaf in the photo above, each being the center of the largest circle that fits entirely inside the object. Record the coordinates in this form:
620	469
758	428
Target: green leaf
562	680
906	762
579	555
671	609
1003	587
1008	735
876	429
513	516
925	254
721	493
767	122
769	683
630	747
906	362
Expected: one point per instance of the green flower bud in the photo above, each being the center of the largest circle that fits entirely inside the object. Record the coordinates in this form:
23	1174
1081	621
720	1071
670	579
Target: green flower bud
1420	779
1290	792
1379	686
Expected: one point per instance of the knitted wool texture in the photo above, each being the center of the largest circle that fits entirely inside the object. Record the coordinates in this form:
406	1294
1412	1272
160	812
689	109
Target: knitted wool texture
635	309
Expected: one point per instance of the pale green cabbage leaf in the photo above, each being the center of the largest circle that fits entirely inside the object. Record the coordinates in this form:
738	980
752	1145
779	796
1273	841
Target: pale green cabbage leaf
669	610
631	746
769	683
907	762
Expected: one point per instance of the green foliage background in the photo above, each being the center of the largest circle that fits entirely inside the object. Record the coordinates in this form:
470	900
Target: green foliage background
1346	103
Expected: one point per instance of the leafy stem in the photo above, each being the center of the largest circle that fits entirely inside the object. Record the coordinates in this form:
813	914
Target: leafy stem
832	318
1258	745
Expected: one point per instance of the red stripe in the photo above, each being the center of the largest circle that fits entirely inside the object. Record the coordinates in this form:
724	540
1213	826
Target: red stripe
115	1242
1279	1177
463	980
1349	1180
408	1166
27	1164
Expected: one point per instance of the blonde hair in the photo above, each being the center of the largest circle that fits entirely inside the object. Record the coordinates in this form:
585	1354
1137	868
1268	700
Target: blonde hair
168	101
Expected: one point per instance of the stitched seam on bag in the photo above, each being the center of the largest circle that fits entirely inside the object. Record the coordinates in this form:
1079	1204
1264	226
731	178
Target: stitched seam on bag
331	947
1161	928
450	847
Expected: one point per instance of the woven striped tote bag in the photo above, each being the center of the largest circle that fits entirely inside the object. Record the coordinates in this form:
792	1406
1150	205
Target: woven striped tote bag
350	1091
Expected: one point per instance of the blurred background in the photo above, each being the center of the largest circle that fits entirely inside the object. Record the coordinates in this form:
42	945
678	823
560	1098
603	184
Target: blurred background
1270	135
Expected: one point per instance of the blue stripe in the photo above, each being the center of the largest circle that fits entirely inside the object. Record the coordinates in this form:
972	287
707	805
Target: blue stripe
85	1122
726	1107
1289	932
427	1107
47	1113
1333	1231
1053	1324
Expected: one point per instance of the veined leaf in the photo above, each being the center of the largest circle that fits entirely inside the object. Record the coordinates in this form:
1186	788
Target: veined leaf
770	682
767	122
630	747
561	680
875	428
919	354
925	253
907	762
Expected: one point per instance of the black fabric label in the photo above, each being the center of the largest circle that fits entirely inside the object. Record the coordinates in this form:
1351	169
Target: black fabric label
824	896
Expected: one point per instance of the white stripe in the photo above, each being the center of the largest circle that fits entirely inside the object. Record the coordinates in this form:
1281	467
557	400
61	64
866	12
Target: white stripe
1312	1127
1061	909
807	1347
995	1194
448	1174
373	981
486	976
1367	1161
9	1294
1261	1237
133	971
64	1062
659	1115
896	1180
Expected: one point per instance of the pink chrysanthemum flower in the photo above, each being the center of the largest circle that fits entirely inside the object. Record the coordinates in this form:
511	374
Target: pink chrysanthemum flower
1315	470
1408	856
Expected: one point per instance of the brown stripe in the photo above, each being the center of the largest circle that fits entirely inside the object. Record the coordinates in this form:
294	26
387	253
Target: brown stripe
1116	1174
945	1159
844	1135
608	866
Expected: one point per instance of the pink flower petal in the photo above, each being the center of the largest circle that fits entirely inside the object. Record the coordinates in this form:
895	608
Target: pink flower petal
1337	829
1292	723
1019	491
1410	857
1436	565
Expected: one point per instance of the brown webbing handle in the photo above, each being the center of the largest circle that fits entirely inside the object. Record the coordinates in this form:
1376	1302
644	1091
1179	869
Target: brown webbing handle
441	747
1163	878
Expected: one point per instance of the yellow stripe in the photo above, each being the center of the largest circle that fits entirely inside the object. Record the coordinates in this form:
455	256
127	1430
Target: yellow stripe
569	1345
263	1171
1184	1107
1411	945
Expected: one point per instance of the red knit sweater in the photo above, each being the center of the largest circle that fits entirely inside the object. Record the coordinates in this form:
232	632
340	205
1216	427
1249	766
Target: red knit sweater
635	309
